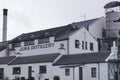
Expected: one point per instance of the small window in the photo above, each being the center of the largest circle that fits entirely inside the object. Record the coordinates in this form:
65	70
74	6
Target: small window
27	43
93	72
16	70
86	45
67	72
40	41
17	44
77	43
91	46
82	44
42	70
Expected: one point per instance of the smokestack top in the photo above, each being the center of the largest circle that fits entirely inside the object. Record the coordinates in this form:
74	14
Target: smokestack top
5	11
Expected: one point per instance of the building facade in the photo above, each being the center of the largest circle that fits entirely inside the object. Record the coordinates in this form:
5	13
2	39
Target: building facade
78	51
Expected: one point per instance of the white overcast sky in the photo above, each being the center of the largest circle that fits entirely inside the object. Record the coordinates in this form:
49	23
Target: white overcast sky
32	15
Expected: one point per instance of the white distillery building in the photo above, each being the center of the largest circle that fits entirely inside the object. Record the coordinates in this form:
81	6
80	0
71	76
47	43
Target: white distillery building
86	50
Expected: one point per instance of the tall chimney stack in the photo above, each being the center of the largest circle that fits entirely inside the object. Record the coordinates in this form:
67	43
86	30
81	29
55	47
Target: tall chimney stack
4	37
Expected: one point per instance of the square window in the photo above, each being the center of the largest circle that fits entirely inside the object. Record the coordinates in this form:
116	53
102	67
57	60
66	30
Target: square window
16	70
93	72
42	70
67	72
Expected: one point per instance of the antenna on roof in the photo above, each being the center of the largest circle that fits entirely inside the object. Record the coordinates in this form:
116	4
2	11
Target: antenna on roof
83	17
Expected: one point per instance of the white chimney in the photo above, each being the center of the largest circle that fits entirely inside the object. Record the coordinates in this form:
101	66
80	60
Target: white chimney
62	50
4	37
114	52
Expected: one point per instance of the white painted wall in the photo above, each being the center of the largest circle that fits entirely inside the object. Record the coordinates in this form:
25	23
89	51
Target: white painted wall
96	28
54	49
3	53
102	71
82	35
51	71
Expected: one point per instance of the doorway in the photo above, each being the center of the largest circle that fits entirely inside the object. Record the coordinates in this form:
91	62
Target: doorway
80	73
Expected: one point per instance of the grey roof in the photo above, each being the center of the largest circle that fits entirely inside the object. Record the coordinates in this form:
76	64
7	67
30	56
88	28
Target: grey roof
35	59
112	4
84	23
96	57
6	60
3	45
60	33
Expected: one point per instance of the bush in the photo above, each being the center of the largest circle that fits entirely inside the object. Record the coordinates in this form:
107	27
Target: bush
56	78
17	78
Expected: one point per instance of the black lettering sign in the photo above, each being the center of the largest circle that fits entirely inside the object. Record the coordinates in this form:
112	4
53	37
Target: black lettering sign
40	46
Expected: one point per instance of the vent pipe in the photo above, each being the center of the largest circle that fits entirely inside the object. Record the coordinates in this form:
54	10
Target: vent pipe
4	37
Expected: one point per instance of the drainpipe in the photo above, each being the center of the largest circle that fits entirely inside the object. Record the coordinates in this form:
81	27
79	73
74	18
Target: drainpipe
98	71
73	73
68	46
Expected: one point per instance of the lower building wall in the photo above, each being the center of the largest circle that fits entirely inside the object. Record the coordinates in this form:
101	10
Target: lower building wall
51	71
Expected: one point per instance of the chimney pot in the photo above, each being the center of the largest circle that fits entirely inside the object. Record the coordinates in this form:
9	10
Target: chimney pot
5	12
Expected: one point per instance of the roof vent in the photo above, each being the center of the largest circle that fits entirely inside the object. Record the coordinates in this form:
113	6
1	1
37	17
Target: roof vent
46	33
19	38
32	36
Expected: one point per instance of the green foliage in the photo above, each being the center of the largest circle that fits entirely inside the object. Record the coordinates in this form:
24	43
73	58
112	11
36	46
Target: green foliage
56	78
17	78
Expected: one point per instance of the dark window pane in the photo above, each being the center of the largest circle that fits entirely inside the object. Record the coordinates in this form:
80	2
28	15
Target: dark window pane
77	43
93	72
43	40
42	69
17	44
91	46
86	45
16	70
27	43
82	44
67	72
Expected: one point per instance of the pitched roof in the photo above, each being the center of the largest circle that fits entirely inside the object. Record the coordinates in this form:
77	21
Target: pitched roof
35	59
60	33
84	23
6	60
96	57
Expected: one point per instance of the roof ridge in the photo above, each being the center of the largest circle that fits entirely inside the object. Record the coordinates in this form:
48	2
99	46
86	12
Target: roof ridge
37	55
90	53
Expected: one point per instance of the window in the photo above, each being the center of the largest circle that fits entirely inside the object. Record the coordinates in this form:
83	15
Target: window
77	43
86	45
43	40
82	44
42	69
27	43
67	72
1	72
16	70
17	44
93	72
91	46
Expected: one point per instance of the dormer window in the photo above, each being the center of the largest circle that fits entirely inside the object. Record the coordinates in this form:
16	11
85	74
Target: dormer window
27	43
40	41
17	44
